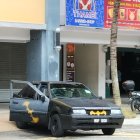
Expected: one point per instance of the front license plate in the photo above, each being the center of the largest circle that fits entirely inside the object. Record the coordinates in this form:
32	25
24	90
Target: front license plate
96	120
100	120
103	120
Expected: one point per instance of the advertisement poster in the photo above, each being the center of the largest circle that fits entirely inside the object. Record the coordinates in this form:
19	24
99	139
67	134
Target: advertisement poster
70	74
88	13
128	16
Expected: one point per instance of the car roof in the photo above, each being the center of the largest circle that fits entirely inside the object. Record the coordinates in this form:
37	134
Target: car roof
54	82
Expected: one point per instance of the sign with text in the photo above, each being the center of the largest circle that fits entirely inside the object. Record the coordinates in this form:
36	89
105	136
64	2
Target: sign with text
88	13
128	16
70	73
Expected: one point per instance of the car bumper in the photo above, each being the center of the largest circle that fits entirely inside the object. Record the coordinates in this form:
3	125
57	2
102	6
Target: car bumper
86	122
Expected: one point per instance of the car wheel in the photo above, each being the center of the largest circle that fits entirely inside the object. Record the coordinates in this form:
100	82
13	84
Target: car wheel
108	131
56	126
21	125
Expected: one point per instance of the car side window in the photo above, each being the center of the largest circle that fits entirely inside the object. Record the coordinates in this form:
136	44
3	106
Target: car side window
44	90
27	92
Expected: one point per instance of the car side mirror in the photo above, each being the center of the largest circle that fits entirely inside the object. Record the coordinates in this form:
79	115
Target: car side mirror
15	95
43	98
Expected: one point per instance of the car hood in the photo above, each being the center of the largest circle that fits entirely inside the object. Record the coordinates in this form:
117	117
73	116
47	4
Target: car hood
80	102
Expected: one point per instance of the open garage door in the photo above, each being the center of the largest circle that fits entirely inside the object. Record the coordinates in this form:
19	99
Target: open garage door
12	66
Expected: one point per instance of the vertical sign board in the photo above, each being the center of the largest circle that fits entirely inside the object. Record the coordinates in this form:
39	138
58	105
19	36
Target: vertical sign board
88	13
128	16
70	73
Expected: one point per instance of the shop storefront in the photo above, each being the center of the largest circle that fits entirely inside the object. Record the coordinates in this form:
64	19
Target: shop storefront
83	24
87	26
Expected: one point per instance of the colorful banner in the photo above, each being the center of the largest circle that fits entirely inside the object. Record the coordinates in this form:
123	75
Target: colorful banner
88	13
129	14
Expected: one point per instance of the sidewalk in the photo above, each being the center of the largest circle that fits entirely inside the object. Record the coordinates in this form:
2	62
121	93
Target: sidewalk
5	124
125	100
132	121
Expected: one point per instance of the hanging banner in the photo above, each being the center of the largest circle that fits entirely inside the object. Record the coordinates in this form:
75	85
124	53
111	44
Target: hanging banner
128	16
70	73
88	13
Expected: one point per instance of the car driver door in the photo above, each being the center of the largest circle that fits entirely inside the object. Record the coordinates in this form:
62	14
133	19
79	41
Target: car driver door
29	106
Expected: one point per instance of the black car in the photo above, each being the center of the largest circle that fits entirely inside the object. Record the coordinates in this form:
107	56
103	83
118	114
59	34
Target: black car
62	106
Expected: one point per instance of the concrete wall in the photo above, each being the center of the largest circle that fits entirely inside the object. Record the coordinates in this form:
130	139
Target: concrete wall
90	67
62	12
22	11
86	65
53	22
101	71
34	56
43	58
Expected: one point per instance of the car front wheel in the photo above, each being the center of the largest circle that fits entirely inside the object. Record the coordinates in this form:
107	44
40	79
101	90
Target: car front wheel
21	125
108	131
56	126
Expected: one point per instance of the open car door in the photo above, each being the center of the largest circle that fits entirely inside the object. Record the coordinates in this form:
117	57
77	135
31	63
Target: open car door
28	105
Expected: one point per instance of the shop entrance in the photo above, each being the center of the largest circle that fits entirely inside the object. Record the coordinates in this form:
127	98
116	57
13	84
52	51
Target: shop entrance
80	64
129	66
128	69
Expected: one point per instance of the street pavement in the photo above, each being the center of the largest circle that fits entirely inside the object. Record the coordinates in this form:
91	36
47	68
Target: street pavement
8	130
132	121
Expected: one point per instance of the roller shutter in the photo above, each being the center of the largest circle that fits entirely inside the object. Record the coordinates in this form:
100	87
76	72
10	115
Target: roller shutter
12	66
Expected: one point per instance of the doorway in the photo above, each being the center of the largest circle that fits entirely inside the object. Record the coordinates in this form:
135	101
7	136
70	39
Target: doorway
129	66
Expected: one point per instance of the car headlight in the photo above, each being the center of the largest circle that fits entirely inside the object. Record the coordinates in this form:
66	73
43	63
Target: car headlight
79	112
116	112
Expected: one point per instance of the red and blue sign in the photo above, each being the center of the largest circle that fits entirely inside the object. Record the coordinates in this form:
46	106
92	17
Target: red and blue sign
88	13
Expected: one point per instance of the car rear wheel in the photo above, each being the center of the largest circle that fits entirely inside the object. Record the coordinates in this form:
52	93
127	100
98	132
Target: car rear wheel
108	131
21	125
56	126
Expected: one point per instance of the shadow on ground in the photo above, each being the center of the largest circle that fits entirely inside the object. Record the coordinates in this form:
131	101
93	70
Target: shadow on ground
43	131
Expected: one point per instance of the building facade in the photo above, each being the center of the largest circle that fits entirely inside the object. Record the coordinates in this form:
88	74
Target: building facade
26	42
92	61
29	51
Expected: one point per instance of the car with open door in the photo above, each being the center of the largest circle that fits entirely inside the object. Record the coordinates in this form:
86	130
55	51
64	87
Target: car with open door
62	106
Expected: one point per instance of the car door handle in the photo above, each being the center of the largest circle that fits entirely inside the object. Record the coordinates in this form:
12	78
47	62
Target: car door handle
14	102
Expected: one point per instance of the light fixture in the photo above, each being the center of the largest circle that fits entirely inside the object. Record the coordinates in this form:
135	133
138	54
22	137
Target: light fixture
57	30
56	36
105	48
57	48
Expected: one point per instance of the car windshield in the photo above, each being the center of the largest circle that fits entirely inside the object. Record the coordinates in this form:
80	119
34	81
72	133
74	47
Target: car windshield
70	91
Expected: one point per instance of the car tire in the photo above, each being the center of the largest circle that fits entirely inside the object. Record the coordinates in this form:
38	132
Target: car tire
108	131
56	126
21	125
